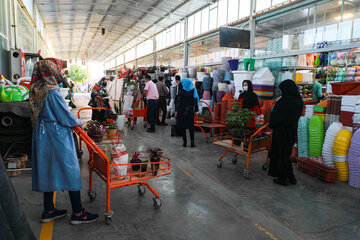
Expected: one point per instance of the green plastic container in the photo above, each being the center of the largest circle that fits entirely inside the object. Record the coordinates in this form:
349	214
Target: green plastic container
17	94
249	62
319	109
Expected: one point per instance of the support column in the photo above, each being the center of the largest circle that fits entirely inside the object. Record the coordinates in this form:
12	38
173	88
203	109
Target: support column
252	27
186	45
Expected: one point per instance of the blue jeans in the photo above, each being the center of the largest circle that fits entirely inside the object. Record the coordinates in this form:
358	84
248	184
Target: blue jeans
151	111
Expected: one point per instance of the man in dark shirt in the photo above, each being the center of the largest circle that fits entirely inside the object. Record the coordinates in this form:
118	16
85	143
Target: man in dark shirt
163	91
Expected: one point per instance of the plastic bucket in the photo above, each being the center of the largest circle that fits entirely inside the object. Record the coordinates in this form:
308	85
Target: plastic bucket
234	64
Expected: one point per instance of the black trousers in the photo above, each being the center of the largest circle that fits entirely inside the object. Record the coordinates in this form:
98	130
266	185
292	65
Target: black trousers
151	111
161	106
74	198
183	134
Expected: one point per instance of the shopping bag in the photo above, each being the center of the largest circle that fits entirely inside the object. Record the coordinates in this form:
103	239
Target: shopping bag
119	155
128	102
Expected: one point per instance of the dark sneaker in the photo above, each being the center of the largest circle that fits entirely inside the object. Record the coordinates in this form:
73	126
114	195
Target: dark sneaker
52	215
164	124
83	217
149	130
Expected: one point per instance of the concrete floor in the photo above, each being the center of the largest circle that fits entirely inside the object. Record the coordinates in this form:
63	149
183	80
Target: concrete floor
202	201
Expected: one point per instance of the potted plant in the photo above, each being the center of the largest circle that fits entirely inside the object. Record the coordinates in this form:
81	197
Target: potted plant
135	159
93	129
238	118
111	128
155	154
120	121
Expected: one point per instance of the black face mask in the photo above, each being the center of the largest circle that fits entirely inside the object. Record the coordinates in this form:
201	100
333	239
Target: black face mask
104	84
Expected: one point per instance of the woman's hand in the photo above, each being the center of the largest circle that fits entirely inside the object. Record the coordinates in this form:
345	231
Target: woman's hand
175	114
278	98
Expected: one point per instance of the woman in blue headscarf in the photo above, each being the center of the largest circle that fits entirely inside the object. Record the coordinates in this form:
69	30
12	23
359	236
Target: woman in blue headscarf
186	106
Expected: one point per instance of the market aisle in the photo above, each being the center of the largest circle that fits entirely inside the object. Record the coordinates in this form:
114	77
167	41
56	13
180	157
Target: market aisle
202	201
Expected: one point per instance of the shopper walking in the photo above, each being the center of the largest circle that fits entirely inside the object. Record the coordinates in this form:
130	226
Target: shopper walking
55	165
99	98
152	96
163	91
187	105
283	121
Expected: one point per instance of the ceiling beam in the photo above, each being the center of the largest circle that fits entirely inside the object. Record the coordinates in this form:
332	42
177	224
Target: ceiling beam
95	33
87	26
131	27
173	10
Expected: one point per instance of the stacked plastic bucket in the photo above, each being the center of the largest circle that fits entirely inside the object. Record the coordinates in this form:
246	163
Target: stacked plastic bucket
340	150
316	135
303	137
320	111
330	136
354	160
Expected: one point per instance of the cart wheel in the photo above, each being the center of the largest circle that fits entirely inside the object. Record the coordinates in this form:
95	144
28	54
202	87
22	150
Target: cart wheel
157	202
219	163
145	125
92	195
108	219
265	166
234	159
141	190
132	127
247	174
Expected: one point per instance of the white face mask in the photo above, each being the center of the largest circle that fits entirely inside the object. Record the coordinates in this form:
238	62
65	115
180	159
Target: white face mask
245	88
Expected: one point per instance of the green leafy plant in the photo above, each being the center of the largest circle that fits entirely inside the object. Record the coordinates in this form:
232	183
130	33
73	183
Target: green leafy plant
93	128
110	124
136	159
78	73
155	154
238	118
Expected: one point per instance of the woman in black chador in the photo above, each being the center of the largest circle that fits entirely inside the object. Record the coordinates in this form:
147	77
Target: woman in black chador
283	121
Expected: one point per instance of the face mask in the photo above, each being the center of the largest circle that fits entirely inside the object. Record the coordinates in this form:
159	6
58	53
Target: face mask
104	84
245	88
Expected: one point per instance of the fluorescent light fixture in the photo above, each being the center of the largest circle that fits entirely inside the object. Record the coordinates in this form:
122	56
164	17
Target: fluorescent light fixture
345	16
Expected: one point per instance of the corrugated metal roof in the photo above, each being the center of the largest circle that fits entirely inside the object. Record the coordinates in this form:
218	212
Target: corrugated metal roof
74	27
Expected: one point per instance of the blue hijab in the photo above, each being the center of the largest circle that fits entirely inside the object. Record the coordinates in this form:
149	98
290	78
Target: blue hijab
188	86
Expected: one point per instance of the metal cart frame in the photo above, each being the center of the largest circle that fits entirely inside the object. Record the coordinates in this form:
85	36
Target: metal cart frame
253	147
101	165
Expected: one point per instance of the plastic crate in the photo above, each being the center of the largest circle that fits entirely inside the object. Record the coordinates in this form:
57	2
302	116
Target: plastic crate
316	169
341	88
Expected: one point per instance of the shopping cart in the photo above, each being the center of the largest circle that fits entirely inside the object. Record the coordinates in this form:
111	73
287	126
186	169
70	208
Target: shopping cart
102	138
135	113
210	123
102	166
256	143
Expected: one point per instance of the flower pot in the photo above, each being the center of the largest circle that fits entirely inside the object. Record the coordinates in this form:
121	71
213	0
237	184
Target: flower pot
236	139
155	167
137	166
144	166
120	122
111	133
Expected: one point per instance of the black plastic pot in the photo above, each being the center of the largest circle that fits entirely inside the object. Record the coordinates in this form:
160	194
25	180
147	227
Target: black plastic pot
155	167
135	167
144	166
236	139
